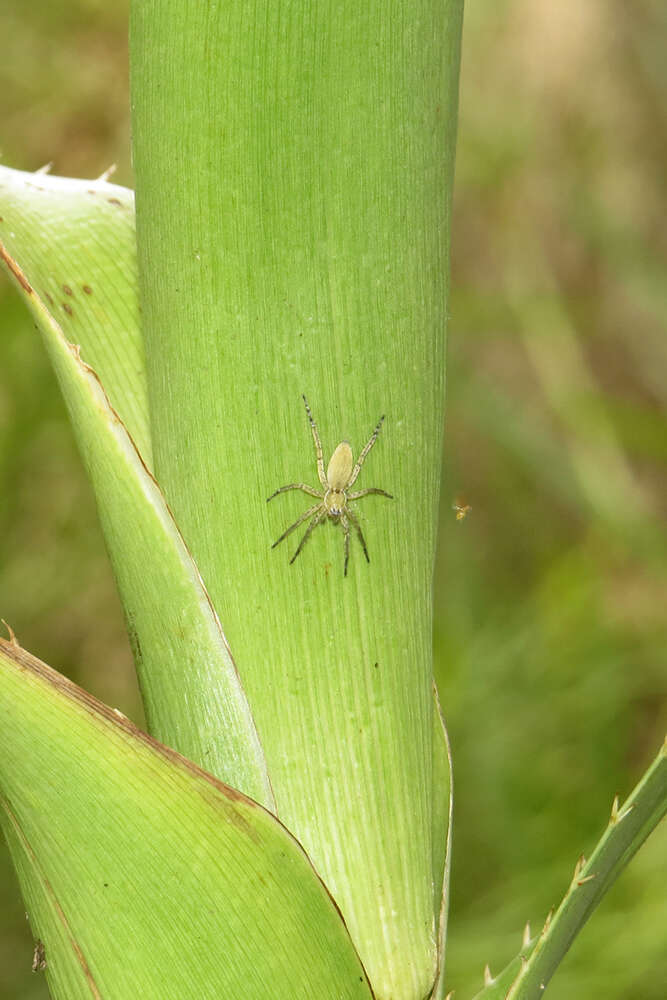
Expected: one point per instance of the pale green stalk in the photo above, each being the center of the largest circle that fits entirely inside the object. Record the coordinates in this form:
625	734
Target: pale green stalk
294	163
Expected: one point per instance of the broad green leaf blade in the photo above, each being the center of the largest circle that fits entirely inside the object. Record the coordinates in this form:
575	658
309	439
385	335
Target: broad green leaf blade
294	166
443	819
72	976
192	694
75	240
145	876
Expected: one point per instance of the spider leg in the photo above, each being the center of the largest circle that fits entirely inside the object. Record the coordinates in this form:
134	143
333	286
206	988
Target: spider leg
304	517
318	446
364	493
346	529
296	486
319	514
367	447
357	528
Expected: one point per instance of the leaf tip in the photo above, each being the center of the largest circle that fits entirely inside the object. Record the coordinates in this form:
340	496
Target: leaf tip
547	922
106	174
13	641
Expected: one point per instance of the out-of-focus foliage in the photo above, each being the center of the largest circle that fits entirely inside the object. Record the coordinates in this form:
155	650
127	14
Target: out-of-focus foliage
550	594
551	632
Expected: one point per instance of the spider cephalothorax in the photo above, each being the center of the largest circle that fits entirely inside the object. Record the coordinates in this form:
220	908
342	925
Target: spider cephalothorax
334	498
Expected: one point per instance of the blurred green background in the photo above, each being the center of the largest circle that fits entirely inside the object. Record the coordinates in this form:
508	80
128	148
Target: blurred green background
551	595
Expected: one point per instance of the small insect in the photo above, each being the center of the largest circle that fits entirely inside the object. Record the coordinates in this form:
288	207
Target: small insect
461	509
334	497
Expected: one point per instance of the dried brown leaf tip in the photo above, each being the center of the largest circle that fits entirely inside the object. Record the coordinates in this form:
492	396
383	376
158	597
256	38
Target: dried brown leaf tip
12	635
109	172
578	868
547	922
618	814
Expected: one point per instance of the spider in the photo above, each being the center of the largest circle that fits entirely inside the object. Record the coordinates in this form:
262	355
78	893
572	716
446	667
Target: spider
334	497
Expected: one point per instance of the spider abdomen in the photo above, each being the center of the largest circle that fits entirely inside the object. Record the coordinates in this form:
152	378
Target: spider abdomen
340	467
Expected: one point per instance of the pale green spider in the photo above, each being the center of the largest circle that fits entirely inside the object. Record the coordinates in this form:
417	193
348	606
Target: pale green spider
341	474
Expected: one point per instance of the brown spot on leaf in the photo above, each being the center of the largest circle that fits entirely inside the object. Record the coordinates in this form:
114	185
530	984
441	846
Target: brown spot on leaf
67	290
114	201
134	642
68	309
39	957
87	289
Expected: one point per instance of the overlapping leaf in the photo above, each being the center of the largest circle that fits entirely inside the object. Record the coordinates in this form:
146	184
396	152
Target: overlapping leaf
69	245
145	877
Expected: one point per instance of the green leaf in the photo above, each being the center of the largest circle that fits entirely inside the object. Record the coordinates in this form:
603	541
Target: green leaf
192	693
294	166
75	242
146	877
